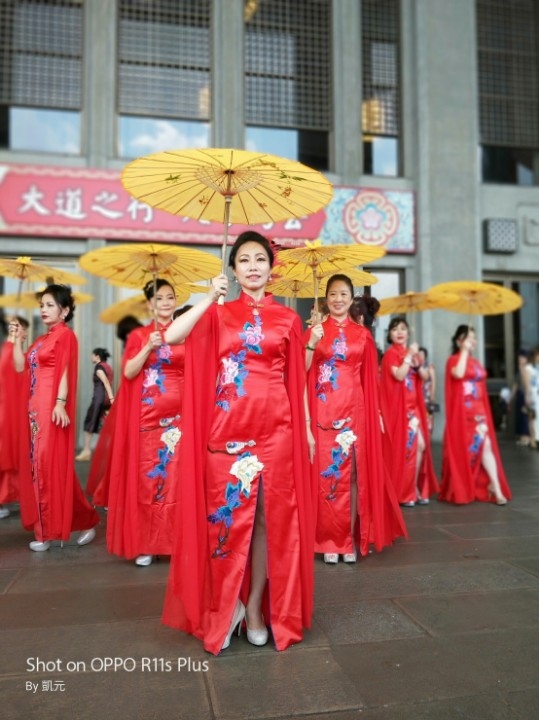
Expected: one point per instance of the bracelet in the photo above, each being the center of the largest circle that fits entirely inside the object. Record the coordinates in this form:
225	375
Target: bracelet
307	420
59	399
407	360
308	347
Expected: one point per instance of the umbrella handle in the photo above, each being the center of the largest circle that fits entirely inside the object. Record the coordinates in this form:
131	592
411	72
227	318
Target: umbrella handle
317	315
228	202
155	324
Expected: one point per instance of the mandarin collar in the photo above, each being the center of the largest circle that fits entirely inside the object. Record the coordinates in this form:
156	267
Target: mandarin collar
339	323
251	302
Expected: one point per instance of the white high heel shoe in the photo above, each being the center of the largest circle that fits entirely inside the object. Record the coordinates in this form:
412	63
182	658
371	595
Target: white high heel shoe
144	560
331	558
237	619
257	637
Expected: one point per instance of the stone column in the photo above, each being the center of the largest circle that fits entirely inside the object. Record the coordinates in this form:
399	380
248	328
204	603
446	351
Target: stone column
445	163
227	74
346	146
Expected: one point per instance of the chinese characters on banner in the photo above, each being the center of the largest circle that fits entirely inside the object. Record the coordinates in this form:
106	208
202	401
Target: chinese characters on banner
45	201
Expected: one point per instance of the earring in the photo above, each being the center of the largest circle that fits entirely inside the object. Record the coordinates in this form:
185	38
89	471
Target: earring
235	279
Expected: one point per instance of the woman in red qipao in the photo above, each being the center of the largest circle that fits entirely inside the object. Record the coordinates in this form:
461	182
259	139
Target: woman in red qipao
357	505
406	438
471	464
12	419
245	524
52	502
144	455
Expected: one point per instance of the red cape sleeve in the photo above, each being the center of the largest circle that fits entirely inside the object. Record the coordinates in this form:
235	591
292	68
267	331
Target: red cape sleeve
381	520
123	467
186	600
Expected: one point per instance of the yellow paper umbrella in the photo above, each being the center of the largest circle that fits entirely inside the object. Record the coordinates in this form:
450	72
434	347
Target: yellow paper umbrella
416	301
479	298
137	305
289	287
22	268
227	185
319	261
30	300
133	264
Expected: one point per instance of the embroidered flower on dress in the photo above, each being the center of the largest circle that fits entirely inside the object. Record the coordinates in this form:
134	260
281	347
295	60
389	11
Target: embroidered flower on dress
246	469
346	439
340	347
171	437
230	371
164	352
252	335
151	377
230	385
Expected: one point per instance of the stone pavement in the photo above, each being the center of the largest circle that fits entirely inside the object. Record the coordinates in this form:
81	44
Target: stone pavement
441	627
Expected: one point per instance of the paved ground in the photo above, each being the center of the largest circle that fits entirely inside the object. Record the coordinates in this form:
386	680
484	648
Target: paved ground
444	626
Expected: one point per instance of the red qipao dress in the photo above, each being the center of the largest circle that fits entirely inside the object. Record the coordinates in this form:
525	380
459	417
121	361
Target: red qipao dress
403	410
246	433
52	502
144	457
13	420
468	423
343	399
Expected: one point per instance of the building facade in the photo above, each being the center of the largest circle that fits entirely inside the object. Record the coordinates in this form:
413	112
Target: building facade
425	112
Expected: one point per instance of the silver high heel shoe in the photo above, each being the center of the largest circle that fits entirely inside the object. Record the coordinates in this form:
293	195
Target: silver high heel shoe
86	537
38	546
237	619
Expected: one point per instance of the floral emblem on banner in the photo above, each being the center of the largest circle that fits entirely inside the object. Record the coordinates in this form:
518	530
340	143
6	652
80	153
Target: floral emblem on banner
371	218
245	469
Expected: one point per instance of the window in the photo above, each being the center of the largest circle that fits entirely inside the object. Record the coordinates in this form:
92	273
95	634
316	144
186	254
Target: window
41	75
380	108
508	65
164	99
287	79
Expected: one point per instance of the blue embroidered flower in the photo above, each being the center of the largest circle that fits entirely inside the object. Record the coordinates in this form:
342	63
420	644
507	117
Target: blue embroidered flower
480	431
252	335
230	384
345	439
154	377
32	362
170	438
245	468
413	429
327	371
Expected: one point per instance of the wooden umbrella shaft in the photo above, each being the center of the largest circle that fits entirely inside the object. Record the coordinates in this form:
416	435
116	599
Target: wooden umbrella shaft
228	202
